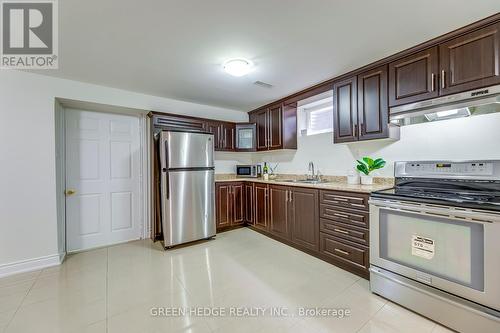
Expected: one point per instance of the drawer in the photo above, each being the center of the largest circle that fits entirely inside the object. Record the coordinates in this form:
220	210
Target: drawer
345	231
346	216
356	255
344	199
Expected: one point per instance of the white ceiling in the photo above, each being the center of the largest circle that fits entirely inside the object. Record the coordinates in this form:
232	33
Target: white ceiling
175	48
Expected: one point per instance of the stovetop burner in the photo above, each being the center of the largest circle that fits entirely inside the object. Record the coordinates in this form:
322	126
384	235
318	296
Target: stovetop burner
462	184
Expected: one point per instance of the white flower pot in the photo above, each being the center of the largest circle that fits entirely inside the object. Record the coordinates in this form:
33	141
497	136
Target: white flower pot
353	179
366	180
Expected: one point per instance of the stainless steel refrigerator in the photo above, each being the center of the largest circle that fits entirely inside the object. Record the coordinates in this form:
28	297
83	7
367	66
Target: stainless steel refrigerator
187	186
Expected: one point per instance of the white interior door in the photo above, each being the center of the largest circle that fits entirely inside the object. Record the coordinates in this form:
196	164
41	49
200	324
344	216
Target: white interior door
103	170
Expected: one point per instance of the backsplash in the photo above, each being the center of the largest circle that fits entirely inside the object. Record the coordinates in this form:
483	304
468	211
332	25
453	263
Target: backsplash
455	139
338	179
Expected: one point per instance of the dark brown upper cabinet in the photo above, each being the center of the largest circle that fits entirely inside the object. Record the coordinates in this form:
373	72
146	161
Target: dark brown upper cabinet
290	125
227	136
215	128
414	78
373	108
360	107
276	127
470	61
224	134
177	122
462	60
345	110
260	119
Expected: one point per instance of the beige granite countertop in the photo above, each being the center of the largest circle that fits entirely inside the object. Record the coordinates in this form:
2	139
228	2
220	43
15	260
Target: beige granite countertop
333	183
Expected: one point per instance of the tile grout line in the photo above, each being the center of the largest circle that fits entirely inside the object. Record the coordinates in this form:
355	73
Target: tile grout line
22	301
373	316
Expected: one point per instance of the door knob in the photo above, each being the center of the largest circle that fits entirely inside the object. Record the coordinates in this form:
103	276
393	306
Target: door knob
70	191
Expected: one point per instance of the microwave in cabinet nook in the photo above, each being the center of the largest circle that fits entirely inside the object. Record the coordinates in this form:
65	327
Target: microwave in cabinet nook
253	171
246	136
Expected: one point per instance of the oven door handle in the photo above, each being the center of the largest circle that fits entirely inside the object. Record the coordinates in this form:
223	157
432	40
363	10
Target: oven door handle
461	214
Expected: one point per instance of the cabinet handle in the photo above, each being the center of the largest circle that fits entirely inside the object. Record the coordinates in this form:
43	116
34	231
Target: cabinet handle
341	215
354	130
443	79
433	79
341	231
341	251
291	197
361	129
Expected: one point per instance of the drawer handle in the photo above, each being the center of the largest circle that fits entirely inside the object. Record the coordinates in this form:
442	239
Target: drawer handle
341	231
342	251
358	205
341	215
341	199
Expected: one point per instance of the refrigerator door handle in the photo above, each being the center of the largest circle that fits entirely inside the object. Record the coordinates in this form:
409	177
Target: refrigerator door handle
165	169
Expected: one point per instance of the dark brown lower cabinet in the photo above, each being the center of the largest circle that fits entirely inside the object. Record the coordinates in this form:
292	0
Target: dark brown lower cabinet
344	230
304	217
249	203
279	211
230	204
261	206
331	225
349	254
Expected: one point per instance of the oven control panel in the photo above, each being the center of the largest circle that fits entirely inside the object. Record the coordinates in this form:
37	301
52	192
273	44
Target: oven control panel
448	169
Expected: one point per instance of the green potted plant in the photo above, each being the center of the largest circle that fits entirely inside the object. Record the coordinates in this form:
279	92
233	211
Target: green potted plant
366	166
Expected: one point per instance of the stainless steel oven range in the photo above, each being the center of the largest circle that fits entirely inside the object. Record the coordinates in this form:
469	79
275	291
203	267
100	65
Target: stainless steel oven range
435	242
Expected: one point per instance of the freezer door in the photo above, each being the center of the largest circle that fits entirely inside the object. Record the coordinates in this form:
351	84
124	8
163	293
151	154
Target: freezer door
188	150
188	206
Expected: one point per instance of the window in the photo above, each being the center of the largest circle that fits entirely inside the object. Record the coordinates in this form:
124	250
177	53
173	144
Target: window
319	121
316	117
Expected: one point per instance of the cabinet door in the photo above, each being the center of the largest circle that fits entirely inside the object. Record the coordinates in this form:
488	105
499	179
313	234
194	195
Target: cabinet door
470	61
223	201
261	206
238	201
373	110
274	127
278	210
289	125
345	111
228	133
304	218
414	78
262	129
215	129
249	206
171	122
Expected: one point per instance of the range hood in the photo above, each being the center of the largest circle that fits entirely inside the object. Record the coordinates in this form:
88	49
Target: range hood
471	103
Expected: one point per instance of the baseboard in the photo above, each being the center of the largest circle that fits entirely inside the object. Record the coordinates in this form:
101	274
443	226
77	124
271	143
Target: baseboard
31	264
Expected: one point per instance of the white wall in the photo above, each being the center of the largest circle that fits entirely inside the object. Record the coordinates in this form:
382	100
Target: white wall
28	212
464	138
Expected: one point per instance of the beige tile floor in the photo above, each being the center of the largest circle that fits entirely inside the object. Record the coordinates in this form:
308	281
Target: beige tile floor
113	290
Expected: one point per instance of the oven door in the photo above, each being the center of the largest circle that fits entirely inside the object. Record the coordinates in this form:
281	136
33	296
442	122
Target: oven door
453	249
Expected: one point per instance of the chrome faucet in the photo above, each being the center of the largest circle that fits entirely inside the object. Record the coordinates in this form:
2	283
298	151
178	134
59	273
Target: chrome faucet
311	170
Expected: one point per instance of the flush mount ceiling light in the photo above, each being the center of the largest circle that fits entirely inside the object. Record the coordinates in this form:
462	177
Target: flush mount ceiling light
238	67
